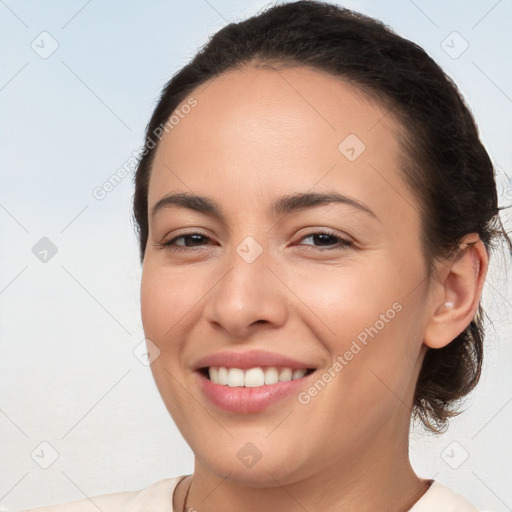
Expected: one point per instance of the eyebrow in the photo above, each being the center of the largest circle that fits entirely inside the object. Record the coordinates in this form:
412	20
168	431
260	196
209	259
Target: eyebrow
284	205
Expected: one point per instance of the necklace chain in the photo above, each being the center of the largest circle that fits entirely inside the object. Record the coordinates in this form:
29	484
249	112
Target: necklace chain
186	497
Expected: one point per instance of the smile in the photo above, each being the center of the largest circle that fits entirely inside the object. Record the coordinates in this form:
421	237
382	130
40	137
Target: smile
253	377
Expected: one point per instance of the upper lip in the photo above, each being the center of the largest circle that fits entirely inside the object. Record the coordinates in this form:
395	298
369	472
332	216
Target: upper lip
249	359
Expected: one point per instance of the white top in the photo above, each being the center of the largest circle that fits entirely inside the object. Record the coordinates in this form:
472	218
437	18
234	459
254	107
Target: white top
158	498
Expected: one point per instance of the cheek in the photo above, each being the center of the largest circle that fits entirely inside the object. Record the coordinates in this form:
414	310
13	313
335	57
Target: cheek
166	298
344	300
163	305
153	297
360	315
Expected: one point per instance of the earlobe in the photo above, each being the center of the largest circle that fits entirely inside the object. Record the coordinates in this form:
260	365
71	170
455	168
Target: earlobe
462	285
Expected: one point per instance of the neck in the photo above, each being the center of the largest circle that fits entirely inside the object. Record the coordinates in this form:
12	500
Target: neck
379	478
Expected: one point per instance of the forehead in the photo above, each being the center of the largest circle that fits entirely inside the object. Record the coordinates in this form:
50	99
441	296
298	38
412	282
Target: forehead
261	133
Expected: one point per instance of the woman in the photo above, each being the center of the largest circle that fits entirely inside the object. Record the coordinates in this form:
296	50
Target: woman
315	212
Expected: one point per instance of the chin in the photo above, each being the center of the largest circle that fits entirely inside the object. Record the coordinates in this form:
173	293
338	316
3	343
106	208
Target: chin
245	464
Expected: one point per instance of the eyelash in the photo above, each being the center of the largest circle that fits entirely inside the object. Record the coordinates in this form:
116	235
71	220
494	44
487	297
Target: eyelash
342	243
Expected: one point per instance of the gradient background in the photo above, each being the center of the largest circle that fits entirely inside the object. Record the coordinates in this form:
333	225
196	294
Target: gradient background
70	328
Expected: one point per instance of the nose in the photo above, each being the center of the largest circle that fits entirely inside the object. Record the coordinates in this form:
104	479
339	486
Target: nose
249	297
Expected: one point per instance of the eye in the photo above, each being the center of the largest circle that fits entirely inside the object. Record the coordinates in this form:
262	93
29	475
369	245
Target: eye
196	239
331	239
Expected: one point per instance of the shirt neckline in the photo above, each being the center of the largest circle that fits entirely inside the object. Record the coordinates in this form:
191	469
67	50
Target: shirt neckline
423	499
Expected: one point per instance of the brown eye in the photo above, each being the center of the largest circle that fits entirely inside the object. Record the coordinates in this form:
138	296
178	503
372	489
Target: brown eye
327	240
190	240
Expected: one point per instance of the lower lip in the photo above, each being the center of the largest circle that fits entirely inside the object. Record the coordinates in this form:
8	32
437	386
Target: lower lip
248	400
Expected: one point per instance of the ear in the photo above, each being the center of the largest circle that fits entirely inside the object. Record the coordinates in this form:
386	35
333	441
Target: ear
456	294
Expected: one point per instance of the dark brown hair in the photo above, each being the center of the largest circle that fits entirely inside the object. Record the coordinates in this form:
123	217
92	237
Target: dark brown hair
444	162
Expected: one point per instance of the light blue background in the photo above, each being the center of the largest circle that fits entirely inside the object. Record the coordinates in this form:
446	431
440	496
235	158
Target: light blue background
68	374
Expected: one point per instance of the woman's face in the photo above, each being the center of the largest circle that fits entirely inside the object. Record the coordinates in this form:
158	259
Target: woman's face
349	303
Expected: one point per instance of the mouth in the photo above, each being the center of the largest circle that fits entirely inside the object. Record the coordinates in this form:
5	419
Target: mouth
252	377
251	390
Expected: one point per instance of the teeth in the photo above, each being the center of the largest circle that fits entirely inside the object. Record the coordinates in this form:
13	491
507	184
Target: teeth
253	377
214	373
222	376
271	376
285	375
298	374
235	377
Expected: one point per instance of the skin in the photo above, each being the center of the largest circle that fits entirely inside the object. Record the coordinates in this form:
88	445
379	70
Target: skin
255	135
